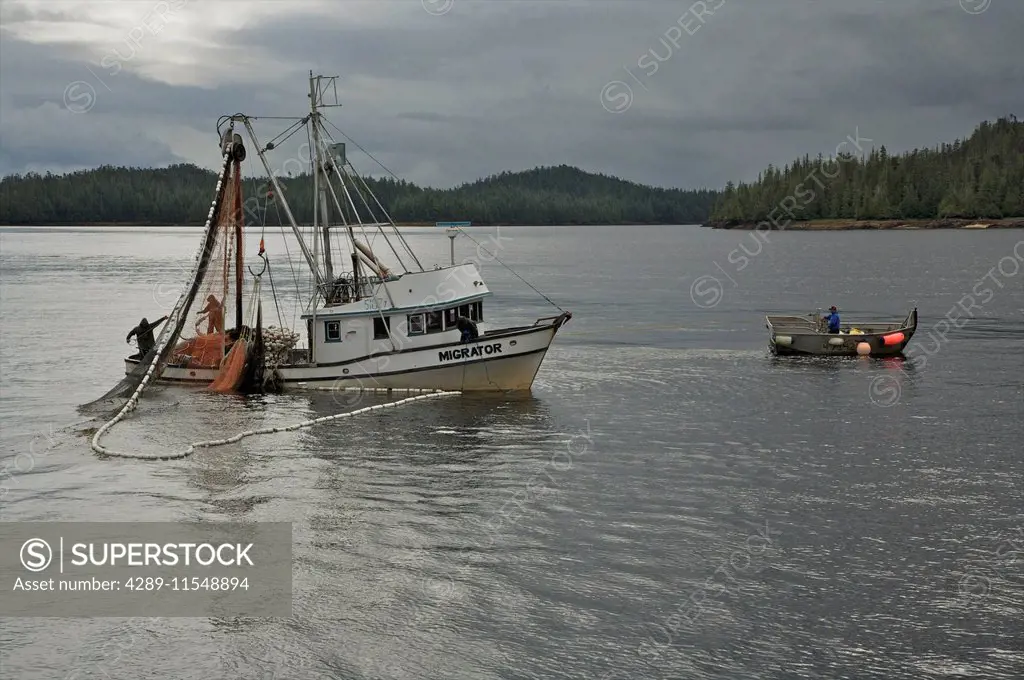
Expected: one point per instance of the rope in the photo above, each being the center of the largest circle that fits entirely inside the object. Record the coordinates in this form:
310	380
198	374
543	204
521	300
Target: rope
254	295
385	212
273	292
274	143
166	336
266	430
356	144
510	269
291	264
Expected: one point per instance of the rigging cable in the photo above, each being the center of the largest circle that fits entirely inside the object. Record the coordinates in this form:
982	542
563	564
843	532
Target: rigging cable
261	254
273	292
273	143
299	124
383	210
291	264
342	172
510	269
402	239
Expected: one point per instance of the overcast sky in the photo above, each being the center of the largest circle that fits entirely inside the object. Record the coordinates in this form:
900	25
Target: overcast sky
447	91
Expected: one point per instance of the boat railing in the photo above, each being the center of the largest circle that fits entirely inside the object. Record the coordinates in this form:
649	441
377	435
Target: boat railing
805	324
886	324
858	321
818	324
346	288
541	320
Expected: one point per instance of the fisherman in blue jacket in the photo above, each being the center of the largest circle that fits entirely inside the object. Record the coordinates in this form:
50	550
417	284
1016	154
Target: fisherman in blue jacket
468	328
833	320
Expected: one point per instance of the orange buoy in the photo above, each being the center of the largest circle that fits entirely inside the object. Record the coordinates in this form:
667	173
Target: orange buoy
892	339
863	349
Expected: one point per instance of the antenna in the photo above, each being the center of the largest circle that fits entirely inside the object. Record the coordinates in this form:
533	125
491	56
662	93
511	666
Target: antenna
326	91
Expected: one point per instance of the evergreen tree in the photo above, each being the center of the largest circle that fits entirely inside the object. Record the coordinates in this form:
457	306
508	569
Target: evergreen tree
980	177
181	194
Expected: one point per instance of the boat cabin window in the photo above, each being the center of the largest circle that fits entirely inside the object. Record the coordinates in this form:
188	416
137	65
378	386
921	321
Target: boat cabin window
381	328
444	319
473	311
332	331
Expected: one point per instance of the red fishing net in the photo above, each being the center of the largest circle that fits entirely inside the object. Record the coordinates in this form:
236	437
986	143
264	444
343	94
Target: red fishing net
230	376
204	339
202	351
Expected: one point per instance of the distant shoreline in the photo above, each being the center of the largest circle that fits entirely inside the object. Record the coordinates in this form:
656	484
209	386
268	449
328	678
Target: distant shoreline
849	225
397	224
803	225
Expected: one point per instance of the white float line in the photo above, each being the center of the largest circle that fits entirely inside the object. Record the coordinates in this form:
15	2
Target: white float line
269	430
410	390
172	320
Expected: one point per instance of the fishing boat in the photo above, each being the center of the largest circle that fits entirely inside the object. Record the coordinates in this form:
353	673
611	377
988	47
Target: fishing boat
808	335
372	320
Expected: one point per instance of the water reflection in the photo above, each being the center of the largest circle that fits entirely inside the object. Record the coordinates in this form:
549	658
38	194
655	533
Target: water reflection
452	429
439	457
217	472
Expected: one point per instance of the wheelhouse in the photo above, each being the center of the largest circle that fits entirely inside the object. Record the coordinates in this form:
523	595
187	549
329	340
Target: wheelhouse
402	313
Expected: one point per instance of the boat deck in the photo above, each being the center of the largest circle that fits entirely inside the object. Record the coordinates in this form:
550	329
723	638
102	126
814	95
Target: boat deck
812	325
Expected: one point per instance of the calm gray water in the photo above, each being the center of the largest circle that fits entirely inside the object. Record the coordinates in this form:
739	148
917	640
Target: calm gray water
704	511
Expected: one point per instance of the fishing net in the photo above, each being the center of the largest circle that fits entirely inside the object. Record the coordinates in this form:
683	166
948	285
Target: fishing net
233	369
212	320
202	351
197	333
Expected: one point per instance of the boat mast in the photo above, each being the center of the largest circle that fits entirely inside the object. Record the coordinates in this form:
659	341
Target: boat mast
279	193
239	252
317	291
316	95
319	195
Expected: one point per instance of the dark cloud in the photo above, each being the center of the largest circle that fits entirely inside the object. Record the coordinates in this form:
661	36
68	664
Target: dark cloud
495	85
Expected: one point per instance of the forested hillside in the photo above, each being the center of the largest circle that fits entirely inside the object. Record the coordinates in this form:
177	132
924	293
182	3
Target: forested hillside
181	194
981	177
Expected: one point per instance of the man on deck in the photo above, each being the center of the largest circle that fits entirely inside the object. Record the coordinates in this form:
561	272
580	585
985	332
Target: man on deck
833	320
214	312
144	336
468	329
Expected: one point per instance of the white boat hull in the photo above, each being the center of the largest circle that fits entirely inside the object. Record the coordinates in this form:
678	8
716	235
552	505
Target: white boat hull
500	361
